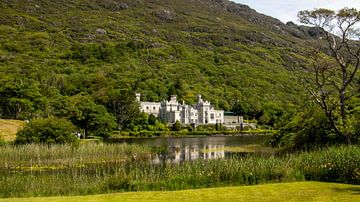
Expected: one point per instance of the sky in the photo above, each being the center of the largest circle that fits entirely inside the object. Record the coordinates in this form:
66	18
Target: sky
286	10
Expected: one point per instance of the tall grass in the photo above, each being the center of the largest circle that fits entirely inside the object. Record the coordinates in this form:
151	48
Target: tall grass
335	164
83	172
34	155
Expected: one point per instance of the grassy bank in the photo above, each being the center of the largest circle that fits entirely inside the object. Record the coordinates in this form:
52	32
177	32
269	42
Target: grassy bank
298	191
9	128
35	170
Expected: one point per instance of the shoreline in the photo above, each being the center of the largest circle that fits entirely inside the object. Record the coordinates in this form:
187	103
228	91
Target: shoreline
173	134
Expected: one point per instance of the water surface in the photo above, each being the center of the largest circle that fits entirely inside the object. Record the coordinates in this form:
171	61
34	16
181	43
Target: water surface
179	149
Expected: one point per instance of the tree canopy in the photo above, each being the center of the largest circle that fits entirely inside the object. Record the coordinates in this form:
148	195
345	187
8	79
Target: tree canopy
47	131
332	83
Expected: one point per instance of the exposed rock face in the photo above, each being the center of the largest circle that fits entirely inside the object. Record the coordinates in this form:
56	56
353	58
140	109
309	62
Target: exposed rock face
305	31
100	31
124	6
269	22
112	5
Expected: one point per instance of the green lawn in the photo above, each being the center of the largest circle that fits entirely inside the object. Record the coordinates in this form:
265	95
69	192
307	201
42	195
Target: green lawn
297	191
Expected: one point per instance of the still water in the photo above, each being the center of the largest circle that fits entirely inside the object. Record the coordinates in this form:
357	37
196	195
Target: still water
176	150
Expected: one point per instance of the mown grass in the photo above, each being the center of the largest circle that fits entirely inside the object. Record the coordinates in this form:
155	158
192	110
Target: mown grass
35	170
298	191
9	128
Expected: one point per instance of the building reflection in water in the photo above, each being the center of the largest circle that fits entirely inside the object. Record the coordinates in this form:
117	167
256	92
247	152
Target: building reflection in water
178	153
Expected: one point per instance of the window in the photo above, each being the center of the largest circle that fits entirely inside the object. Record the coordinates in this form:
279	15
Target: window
212	116
154	107
147	107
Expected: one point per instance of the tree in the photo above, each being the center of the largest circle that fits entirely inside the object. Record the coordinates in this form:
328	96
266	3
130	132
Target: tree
152	119
47	131
308	129
332	78
19	97
176	126
123	105
91	117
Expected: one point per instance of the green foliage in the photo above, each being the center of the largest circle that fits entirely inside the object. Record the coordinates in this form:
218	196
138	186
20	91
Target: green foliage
152	119
119	183
126	168
335	164
222	57
206	128
124	107
176	126
186	131
19	97
47	131
145	123
307	130
236	64
93	118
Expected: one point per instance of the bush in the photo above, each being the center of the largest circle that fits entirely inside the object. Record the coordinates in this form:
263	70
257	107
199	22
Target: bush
47	131
207	127
177	126
306	131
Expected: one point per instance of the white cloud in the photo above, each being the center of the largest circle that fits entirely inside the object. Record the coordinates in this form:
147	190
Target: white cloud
286	10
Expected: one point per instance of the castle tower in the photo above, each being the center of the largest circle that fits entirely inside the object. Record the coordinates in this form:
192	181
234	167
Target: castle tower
138	96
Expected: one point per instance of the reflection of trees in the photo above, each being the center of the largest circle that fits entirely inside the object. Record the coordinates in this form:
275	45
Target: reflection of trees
178	153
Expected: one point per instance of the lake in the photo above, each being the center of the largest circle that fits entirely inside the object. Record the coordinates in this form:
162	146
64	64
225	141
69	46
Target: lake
179	149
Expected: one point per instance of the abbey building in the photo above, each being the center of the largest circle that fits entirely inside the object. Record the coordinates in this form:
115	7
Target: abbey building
171	111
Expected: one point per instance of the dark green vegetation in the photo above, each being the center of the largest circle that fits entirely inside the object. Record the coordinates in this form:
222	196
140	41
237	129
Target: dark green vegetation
89	169
333	84
55	55
83	61
185	132
47	131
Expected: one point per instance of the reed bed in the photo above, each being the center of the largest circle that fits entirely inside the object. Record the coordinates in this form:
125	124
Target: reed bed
131	173
34	155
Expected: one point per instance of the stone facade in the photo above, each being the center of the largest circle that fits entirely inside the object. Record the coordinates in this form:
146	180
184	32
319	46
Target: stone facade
149	107
171	111
237	122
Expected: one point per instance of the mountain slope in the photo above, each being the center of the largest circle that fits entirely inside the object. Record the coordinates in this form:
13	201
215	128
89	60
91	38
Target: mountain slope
227	52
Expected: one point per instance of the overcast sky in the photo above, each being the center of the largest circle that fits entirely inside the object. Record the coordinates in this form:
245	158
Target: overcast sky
286	10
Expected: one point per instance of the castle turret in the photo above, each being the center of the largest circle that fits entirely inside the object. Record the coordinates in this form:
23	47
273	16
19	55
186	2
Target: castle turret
199	98
138	96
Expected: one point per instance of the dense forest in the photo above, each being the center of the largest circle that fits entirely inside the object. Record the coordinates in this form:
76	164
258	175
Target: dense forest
83	60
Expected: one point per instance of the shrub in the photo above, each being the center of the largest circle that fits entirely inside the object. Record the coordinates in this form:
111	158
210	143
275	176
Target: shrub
47	131
177	126
306	131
